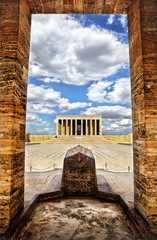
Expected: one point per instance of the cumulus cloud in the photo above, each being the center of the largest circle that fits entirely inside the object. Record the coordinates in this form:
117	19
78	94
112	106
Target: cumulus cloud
42	94
111	18
48	80
33	119
65	105
116	119
109	112
123	126
62	49
97	91
42	99
39	108
123	20
120	92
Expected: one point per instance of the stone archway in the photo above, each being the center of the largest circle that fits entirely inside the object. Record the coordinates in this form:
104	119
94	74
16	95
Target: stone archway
15	19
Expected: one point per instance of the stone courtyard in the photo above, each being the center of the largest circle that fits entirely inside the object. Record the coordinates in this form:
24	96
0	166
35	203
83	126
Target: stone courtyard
46	161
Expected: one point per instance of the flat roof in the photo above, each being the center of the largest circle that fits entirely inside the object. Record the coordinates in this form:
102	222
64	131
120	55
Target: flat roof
78	115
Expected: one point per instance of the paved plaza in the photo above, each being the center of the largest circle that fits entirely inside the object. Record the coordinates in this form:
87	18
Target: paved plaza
45	160
45	156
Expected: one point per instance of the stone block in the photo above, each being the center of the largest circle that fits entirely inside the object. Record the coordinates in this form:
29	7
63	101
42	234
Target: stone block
79	173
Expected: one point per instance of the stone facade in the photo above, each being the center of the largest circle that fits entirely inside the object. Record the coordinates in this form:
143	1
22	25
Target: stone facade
78	125
15	21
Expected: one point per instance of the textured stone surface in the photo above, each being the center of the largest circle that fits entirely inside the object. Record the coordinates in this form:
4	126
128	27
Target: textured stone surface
79	173
78	219
15	20
79	6
142	21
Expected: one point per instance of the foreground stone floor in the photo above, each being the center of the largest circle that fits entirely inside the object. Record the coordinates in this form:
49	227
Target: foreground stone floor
76	219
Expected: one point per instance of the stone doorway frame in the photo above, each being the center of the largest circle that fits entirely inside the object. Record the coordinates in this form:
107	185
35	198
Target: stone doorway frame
15	20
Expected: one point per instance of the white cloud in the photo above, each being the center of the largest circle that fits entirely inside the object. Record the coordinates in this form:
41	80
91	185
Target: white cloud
101	91
66	105
121	92
109	112
123	126
33	119
43	100
123	20
62	49
42	94
39	108
97	93
116	119
110	19
48	80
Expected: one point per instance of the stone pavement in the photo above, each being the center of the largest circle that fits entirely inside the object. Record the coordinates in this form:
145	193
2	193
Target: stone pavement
43	156
46	161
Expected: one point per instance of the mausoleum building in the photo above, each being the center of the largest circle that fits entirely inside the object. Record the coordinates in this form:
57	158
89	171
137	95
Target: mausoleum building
78	125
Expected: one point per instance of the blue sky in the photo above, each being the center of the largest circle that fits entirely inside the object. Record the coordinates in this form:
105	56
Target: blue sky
79	64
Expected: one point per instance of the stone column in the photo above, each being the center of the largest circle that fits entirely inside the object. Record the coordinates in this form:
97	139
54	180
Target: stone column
61	127
95	127
100	126
57	127
67	127
75	126
71	127
81	126
91	130
14	50
86	128
142	30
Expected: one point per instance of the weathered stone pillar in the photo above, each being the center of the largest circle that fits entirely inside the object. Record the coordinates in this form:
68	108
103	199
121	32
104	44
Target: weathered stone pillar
81	126
14	50
143	68
75	126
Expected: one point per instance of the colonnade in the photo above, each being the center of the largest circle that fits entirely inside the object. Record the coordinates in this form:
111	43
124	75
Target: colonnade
79	125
